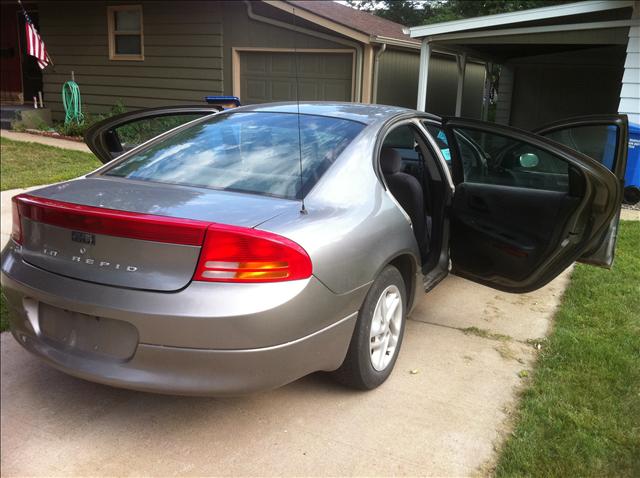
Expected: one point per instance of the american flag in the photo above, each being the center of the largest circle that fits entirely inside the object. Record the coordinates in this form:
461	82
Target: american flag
35	45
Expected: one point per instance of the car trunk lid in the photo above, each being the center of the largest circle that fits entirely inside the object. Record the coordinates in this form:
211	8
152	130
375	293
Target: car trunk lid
129	234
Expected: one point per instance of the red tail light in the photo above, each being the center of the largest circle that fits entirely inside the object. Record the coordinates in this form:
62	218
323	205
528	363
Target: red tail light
237	254
16	226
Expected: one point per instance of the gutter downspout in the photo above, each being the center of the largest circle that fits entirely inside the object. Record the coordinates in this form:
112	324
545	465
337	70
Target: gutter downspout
358	48
376	66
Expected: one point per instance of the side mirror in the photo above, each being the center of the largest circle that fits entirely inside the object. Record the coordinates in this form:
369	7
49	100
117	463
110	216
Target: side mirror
528	160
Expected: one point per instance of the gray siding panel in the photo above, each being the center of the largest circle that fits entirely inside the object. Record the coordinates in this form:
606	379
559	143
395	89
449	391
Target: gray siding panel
167	62
124	92
443	84
630	92
398	78
183	55
557	86
124	72
136	81
473	91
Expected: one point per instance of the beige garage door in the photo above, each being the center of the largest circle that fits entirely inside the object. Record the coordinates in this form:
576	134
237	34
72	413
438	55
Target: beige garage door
269	76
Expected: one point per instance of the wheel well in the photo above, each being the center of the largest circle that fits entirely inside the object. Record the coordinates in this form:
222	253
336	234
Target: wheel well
406	265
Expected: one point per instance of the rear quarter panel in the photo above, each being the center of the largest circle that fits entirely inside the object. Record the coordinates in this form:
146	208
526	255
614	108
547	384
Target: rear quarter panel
352	227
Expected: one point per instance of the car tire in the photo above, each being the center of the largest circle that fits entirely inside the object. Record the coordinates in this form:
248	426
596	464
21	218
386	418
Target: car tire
367	366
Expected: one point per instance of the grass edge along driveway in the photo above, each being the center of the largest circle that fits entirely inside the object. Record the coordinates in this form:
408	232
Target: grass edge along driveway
580	415
25	164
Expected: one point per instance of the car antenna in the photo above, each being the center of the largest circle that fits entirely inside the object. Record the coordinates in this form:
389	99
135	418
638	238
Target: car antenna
303	210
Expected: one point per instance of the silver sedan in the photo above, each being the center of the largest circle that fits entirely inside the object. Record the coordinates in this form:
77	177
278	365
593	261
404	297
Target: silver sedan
228	252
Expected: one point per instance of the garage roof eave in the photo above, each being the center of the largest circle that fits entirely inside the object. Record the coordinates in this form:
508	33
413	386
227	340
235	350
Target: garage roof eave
503	19
413	44
529	33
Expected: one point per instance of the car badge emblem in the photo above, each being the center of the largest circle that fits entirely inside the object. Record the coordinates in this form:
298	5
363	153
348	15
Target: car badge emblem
83	237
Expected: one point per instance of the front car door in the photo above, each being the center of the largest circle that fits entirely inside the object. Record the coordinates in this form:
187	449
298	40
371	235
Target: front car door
118	134
525	207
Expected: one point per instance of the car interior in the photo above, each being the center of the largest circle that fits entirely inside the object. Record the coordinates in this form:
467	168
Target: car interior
413	177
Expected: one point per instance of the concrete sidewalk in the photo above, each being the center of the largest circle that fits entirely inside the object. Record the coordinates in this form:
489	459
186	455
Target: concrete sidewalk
443	412
49	141
630	214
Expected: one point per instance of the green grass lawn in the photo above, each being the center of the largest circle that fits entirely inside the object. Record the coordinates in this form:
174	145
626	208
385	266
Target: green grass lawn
29	164
4	319
581	414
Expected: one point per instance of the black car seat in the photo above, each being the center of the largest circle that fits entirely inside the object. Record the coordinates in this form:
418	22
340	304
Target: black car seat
408	192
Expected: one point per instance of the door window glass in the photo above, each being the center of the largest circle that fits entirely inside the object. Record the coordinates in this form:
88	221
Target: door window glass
596	141
472	158
491	158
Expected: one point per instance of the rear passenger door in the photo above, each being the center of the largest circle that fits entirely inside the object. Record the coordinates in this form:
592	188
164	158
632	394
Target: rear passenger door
525	207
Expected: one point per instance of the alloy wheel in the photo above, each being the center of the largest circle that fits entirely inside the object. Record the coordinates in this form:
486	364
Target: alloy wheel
386	324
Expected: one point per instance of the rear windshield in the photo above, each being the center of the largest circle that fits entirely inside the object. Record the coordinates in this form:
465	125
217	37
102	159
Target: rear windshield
246	152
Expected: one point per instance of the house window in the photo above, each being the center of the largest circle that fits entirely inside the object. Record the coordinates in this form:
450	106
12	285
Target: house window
126	41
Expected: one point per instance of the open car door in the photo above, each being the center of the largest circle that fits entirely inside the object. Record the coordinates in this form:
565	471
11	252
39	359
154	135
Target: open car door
603	138
118	134
525	207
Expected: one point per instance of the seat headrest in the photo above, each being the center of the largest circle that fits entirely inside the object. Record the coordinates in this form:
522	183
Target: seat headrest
390	161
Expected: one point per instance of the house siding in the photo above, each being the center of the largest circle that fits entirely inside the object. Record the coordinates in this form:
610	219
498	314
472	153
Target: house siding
443	84
398	78
398	83
551	87
630	92
183	49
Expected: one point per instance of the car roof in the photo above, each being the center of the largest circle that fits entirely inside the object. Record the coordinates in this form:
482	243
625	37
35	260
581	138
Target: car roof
363	113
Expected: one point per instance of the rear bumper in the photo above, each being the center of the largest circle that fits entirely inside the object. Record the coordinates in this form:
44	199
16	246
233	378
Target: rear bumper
207	339
185	371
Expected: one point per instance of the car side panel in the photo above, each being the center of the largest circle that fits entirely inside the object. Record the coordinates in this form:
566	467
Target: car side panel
352	226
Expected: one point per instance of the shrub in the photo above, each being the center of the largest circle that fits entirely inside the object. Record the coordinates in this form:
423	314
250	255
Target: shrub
79	129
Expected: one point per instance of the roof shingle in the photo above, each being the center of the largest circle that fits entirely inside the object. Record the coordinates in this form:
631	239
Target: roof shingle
358	20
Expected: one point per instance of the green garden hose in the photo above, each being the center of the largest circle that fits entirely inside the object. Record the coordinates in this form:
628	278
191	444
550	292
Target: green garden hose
72	103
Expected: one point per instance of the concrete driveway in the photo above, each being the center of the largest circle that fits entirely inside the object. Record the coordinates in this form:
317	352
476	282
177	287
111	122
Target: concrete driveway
443	412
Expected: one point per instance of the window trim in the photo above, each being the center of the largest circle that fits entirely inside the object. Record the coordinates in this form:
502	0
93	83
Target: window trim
111	11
